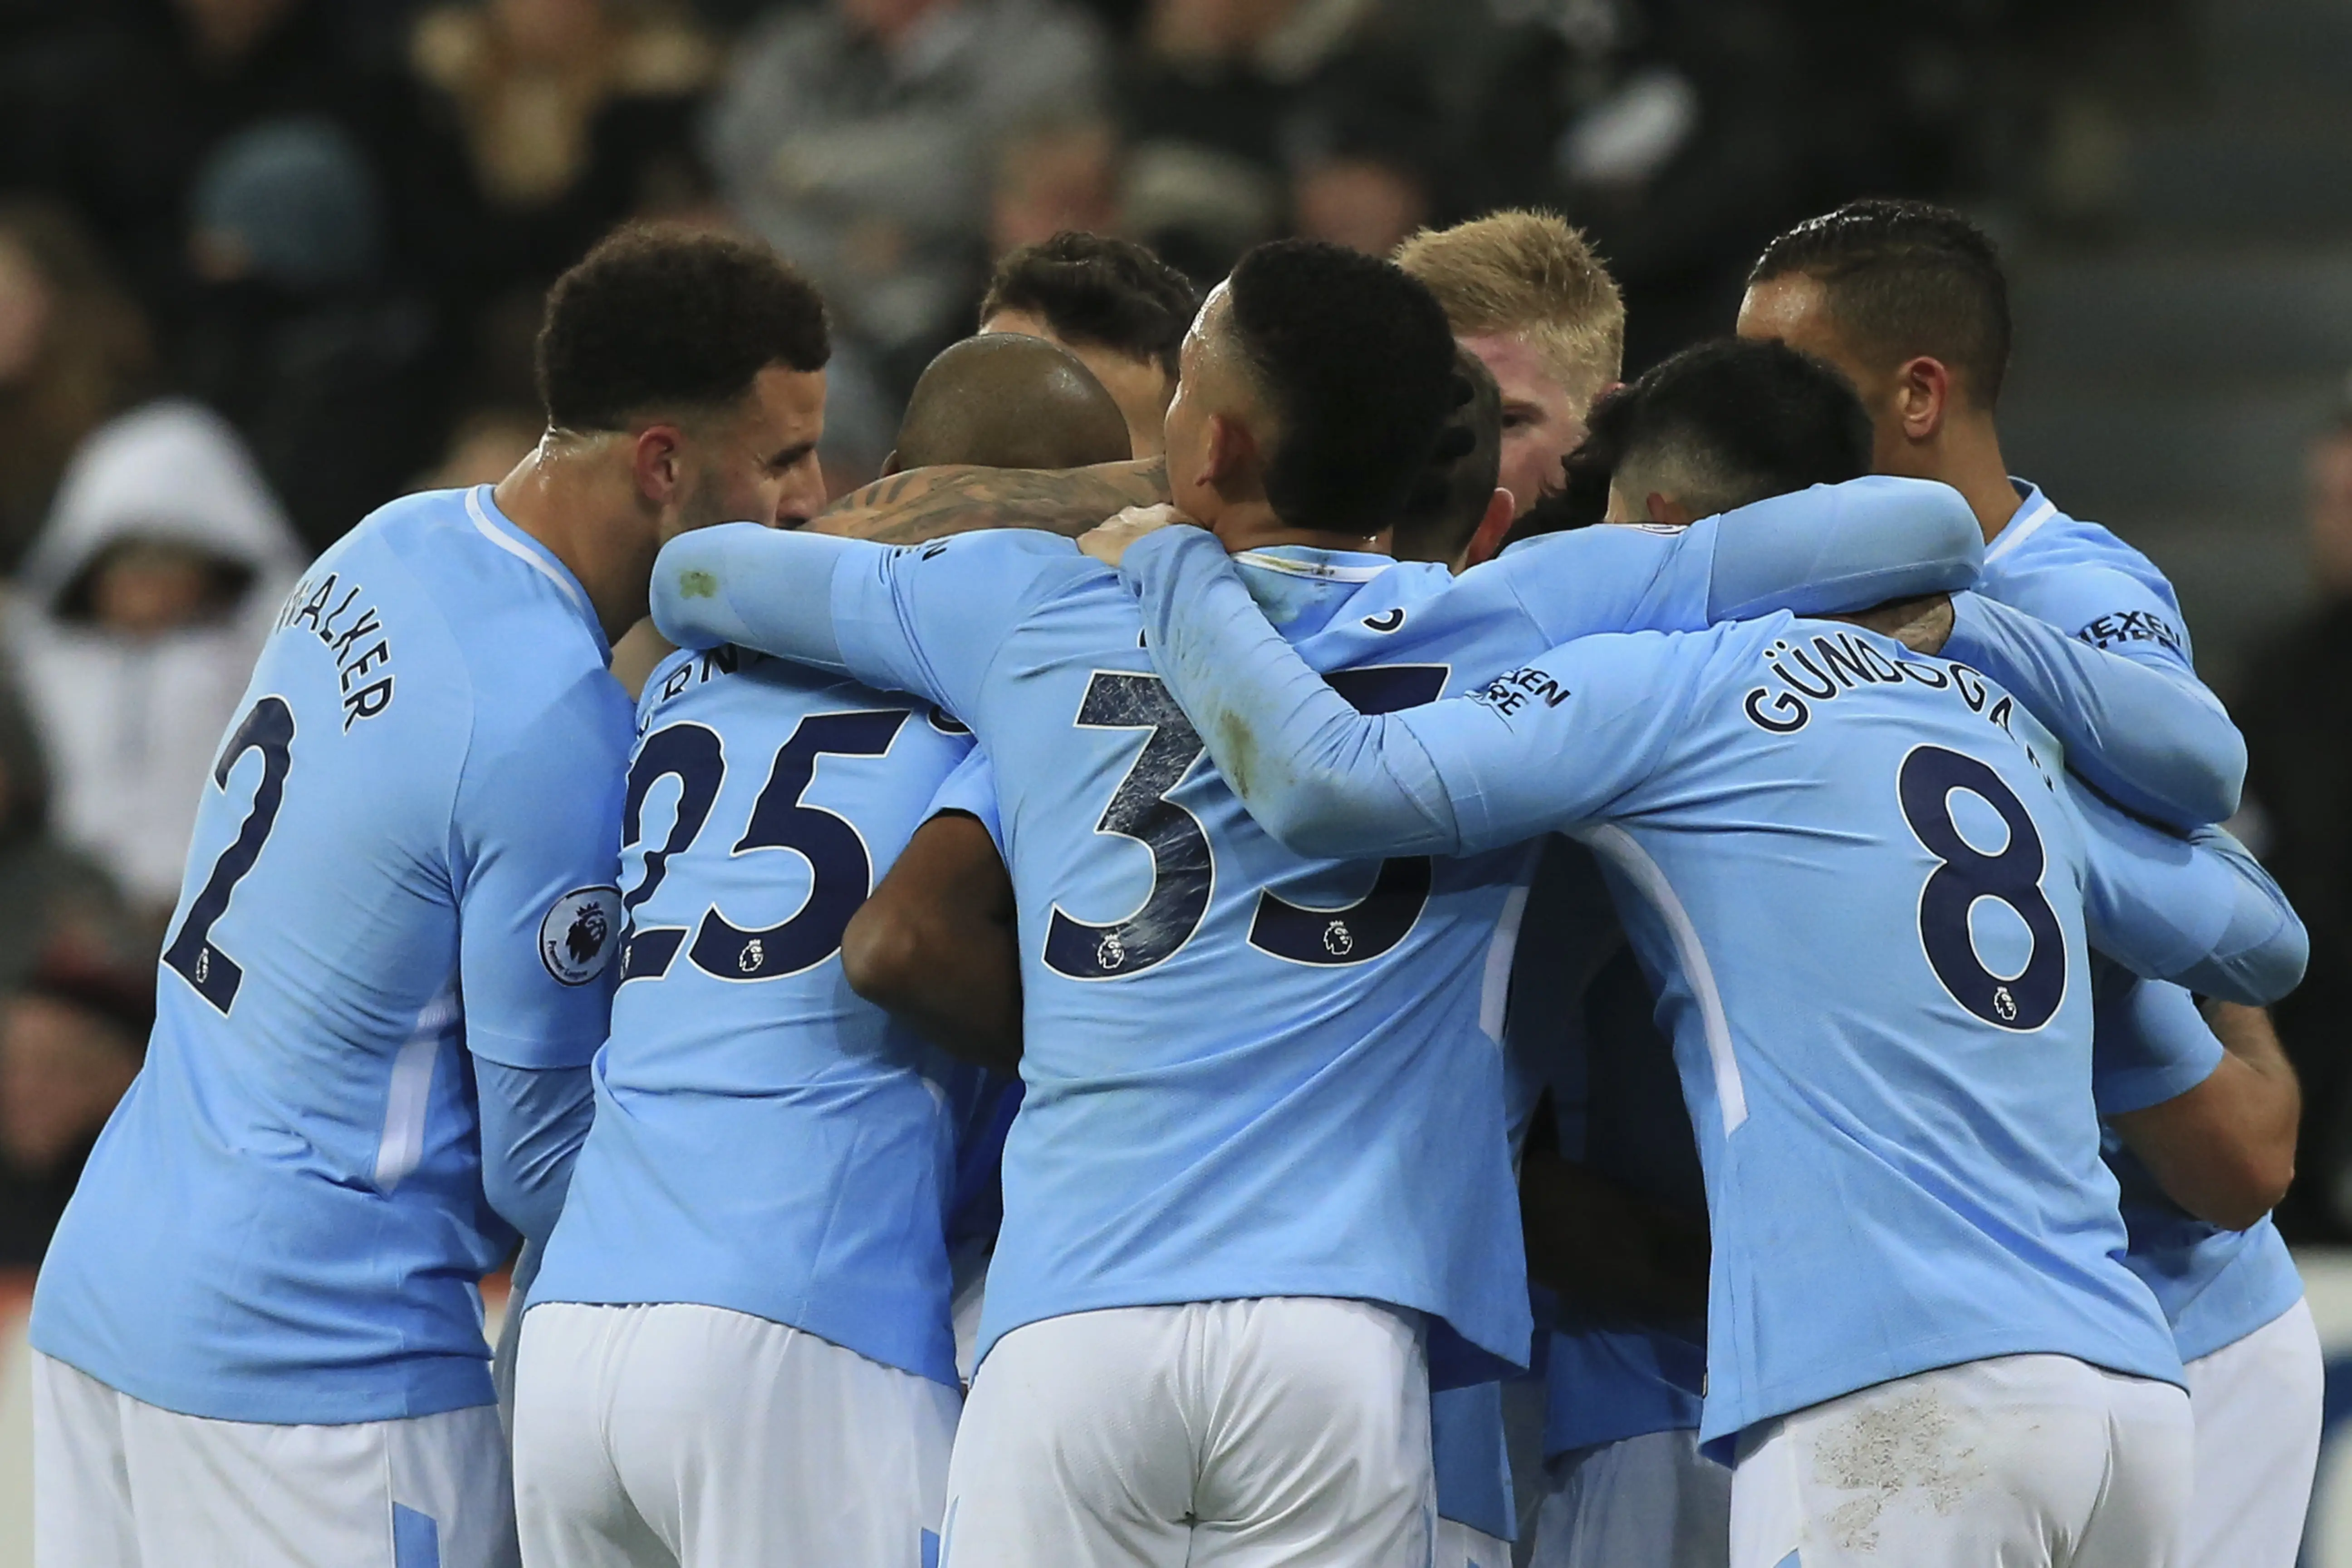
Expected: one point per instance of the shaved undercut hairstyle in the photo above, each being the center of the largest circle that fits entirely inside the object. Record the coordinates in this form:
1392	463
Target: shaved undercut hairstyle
1904	279
1716	426
1004	401
659	317
1527	274
1449	498
1357	363
1092	289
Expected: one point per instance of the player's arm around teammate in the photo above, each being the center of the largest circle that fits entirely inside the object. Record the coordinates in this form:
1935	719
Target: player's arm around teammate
935	942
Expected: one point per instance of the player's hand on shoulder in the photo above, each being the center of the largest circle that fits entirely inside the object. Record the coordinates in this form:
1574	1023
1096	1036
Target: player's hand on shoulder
1108	541
1922	624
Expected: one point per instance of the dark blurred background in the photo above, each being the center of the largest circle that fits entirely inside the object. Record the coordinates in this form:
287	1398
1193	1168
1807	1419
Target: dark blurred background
265	264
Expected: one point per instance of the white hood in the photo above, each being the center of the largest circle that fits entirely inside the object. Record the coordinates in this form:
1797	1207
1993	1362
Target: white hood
170	470
130	724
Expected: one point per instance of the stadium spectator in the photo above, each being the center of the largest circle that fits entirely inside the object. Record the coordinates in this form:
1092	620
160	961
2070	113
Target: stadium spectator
71	1039
1056	176
857	138
74	352
126	116
1118	308
140	610
1361	156
574	114
297	334
2297	720
484	449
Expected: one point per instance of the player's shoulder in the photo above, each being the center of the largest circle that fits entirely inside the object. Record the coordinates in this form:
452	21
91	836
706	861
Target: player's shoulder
2042	538
727	684
526	646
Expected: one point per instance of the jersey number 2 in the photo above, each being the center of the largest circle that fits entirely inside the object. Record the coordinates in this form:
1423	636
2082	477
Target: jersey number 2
2027	999
840	871
269	730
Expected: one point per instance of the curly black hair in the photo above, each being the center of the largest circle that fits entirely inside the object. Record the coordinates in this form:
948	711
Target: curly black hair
1091	289
663	317
1358	362
1907	278
1734	420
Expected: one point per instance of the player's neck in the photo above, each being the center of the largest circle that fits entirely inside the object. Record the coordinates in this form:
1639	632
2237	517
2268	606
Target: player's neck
573	505
1253	525
1967	457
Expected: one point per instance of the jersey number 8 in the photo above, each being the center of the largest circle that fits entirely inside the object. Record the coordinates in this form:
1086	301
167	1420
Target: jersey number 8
2023	1001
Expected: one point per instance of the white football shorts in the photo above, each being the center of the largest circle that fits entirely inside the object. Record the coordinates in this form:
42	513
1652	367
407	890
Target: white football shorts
1652	1500
2029	1461
677	1435
1459	1546
2257	1406
1290	1430
122	1483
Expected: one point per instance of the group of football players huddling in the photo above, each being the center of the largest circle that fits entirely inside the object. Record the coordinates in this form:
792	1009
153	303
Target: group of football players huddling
1309	886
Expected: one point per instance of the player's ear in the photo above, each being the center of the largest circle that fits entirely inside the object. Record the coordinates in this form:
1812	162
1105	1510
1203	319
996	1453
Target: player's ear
1923	396
1488	542
658	460
890	465
1232	449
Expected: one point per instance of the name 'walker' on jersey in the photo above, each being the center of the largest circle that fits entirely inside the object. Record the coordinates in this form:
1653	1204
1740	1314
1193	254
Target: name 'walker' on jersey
405	864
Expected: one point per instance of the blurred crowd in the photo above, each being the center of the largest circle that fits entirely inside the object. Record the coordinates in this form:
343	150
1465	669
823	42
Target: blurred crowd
265	264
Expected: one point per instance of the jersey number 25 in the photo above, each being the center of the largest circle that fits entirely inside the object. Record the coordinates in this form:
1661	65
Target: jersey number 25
841	873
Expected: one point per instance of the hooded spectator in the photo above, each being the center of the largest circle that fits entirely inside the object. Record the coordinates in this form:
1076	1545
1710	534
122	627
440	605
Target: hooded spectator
140	611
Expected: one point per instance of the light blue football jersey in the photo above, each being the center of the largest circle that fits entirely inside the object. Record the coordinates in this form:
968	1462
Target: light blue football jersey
405	859
1247	1073
2217	1286
1801	822
1580	1018
767	1141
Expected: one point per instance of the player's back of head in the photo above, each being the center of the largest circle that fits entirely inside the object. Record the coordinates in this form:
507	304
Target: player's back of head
1716	426
661	318
1356	365
1528	275
1004	401
1450	495
1904	278
1093	289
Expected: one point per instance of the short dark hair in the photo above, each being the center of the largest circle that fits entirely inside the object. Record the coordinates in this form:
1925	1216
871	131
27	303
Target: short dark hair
1907	278
1737	420
660	316
1358	362
1449	496
1092	289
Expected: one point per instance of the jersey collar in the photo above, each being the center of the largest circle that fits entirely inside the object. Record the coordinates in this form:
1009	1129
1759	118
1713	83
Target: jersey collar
482	507
1322	565
2033	510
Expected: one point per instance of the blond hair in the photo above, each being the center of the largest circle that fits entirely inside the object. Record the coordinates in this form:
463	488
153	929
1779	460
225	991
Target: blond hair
1527	274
